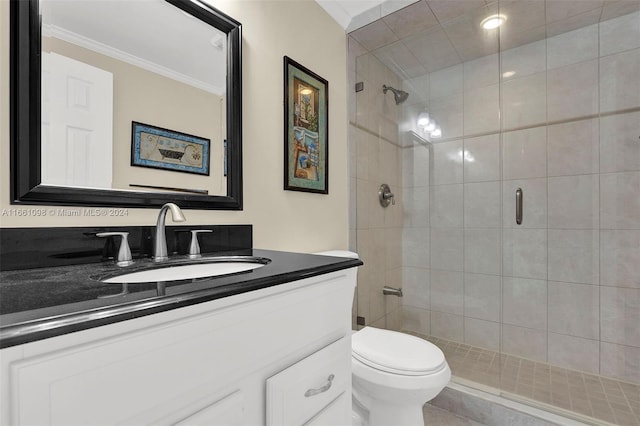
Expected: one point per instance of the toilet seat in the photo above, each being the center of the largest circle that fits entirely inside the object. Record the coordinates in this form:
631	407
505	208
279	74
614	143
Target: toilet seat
396	353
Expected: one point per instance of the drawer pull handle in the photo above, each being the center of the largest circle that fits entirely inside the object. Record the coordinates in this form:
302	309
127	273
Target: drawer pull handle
324	388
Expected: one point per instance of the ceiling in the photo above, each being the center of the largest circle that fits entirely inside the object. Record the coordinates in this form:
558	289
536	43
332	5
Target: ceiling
417	37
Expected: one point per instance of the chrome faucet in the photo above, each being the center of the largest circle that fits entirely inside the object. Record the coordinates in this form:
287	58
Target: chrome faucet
161	239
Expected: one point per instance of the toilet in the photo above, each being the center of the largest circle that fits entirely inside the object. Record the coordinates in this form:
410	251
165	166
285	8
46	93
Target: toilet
393	374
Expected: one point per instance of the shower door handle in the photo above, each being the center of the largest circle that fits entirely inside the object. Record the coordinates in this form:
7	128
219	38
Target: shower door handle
519	206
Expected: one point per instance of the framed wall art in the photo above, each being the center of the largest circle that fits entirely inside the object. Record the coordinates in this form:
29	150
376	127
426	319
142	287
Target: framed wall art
160	148
306	124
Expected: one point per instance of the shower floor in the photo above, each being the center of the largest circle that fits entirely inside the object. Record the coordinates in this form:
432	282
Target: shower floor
589	395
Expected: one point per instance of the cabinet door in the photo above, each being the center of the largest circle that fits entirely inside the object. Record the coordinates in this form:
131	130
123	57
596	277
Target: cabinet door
299	393
229	411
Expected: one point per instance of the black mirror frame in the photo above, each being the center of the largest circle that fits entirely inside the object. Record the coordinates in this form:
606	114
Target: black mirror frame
25	58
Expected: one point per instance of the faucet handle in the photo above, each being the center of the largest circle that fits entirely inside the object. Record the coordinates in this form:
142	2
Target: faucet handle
194	247
124	254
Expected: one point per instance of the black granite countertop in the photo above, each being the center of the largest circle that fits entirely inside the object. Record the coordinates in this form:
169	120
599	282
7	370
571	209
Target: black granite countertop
45	302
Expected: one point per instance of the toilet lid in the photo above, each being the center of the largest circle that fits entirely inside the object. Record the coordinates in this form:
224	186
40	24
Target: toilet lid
395	352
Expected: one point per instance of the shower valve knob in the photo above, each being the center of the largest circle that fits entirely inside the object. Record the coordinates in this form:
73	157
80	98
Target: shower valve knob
386	196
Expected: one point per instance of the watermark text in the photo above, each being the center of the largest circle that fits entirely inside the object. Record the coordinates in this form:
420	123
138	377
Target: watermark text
63	212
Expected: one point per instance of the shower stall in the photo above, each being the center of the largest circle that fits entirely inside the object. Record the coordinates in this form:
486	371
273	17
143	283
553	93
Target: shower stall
514	164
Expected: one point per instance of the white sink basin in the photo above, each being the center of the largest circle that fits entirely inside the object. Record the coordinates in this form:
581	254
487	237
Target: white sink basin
201	269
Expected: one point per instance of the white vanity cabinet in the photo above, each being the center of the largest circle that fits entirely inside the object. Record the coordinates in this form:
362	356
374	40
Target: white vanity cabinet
246	359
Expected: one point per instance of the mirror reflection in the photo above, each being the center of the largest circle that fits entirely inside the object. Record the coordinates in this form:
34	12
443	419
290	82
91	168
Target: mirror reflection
109	65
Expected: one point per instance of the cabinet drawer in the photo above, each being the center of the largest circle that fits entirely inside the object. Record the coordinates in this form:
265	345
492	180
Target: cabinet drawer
334	413
300	392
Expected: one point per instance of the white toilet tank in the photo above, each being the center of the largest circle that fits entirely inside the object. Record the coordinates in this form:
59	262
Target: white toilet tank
339	253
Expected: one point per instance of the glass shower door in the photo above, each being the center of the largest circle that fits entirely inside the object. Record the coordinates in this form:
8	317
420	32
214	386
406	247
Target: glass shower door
570	103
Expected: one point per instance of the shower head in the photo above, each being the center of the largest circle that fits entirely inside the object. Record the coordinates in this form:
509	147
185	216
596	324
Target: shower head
399	95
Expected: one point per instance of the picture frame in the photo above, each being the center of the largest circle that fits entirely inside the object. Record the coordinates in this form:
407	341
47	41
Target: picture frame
306	125
161	148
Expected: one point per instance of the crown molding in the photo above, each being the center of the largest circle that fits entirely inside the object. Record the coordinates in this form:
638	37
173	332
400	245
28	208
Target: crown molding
96	46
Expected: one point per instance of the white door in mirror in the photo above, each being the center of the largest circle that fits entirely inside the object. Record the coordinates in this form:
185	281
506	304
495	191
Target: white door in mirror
77	123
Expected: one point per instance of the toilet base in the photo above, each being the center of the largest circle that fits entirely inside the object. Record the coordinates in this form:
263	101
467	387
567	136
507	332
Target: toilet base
401	405
356	420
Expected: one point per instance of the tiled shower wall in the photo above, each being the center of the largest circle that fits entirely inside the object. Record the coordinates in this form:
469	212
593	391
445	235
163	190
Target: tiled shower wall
563	287
376	232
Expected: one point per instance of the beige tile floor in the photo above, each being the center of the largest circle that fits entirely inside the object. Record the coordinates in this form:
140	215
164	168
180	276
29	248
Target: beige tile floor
589	395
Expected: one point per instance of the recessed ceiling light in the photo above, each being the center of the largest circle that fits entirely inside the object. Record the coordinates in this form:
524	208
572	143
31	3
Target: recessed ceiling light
508	74
493	21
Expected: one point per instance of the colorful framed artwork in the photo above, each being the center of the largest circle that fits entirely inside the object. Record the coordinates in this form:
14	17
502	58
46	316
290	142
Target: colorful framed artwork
306	124
160	148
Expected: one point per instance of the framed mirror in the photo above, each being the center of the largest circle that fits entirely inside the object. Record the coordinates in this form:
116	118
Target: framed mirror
125	103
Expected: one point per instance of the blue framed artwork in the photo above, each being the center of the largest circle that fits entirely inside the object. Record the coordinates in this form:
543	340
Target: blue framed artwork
306	117
160	148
